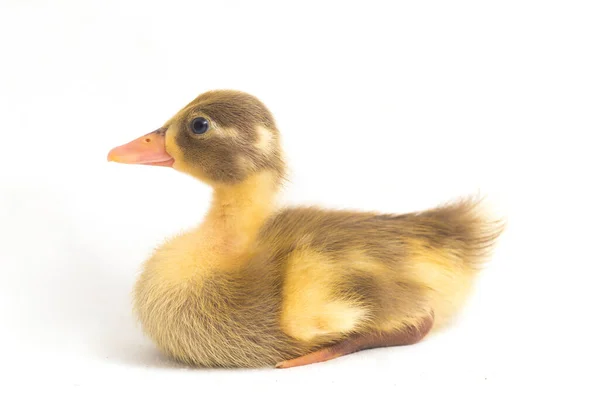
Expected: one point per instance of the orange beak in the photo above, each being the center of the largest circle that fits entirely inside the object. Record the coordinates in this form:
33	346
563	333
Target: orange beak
146	150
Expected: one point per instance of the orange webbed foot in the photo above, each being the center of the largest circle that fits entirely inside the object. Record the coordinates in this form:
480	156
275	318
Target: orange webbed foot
358	342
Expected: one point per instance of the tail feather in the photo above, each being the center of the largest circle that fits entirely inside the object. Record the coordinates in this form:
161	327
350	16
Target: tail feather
450	244
468	227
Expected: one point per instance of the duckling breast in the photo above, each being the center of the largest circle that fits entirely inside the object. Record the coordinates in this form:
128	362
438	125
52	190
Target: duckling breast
215	319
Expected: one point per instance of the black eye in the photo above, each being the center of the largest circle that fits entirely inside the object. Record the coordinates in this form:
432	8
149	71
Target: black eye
199	125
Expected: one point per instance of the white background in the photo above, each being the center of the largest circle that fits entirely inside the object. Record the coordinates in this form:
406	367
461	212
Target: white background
390	106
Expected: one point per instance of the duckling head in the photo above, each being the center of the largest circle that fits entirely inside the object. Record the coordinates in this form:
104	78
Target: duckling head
222	137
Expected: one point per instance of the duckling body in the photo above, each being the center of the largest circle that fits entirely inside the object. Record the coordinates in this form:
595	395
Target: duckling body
257	285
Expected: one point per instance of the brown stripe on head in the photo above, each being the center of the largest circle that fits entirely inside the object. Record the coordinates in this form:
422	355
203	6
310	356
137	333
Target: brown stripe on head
242	138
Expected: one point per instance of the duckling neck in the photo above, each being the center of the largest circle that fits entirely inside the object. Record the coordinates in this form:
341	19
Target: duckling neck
238	211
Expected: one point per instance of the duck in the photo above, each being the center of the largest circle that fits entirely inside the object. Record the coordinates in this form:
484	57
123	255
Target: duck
259	284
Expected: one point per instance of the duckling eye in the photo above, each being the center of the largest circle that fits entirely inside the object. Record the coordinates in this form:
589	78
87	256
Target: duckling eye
199	125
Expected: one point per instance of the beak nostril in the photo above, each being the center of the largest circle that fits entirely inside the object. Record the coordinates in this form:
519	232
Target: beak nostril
147	140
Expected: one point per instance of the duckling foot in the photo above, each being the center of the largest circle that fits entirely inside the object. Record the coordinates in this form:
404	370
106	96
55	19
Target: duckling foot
363	341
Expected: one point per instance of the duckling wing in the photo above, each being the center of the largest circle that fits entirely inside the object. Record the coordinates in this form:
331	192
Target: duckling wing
348	273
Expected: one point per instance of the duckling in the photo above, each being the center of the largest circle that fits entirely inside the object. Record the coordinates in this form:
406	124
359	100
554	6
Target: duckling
257	285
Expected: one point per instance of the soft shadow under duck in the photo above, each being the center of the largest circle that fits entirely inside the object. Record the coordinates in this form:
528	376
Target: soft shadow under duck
257	285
